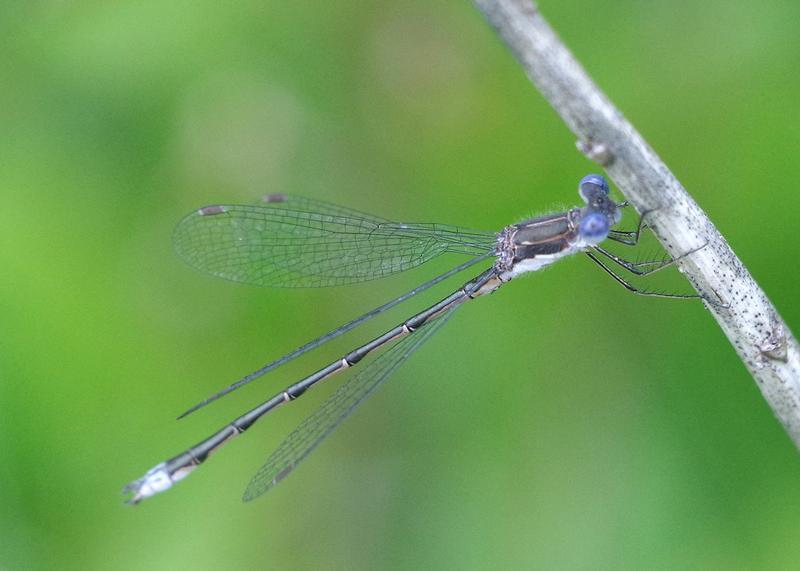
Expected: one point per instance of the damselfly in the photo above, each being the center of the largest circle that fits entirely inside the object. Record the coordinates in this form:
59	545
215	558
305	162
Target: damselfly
297	242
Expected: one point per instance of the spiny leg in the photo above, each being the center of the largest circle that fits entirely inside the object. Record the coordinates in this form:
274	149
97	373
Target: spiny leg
633	267
631	288
630	237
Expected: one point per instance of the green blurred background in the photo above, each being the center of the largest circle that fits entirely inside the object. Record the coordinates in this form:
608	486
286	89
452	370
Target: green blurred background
559	424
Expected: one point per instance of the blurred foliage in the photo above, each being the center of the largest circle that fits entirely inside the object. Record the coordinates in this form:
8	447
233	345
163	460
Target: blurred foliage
560	424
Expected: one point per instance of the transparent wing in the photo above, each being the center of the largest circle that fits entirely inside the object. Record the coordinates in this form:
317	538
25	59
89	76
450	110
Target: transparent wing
299	242
313	430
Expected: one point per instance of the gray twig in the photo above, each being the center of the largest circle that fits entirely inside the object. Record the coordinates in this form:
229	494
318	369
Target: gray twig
746	316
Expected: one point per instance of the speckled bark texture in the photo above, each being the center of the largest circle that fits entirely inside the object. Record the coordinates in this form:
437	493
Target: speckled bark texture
761	338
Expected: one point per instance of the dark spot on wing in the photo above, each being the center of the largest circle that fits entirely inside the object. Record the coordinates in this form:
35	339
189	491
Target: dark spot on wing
277	197
211	210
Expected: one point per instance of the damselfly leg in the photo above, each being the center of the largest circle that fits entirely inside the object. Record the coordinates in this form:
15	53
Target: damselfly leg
650	266
630	237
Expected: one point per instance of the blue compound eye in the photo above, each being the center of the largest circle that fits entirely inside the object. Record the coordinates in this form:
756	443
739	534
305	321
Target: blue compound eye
593	227
591	185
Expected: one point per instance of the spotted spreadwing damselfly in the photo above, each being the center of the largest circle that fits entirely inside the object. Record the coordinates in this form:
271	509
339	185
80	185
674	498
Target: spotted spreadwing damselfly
287	241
